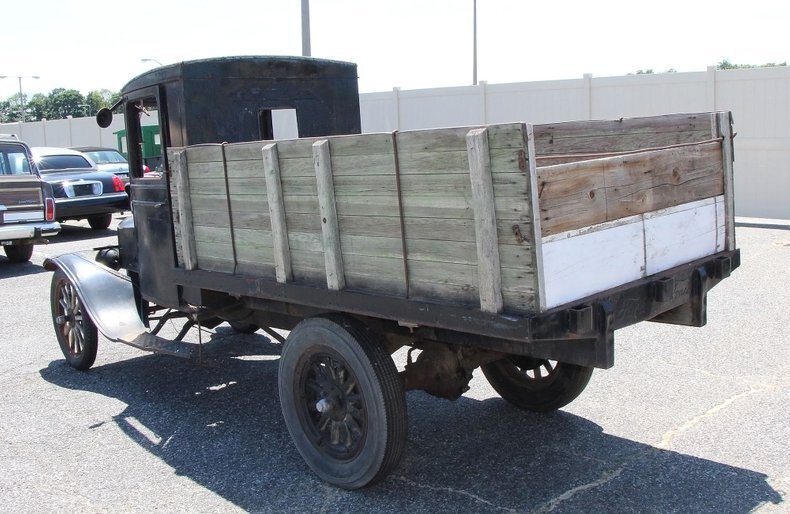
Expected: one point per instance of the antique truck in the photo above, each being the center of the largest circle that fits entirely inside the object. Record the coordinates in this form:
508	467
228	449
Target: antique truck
515	248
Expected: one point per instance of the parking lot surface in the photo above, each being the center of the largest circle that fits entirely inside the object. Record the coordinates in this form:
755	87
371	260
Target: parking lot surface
688	420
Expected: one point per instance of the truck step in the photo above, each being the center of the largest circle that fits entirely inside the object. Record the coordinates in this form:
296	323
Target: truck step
152	343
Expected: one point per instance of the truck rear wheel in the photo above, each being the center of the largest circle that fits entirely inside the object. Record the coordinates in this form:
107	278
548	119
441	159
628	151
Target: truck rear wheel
19	253
342	401
537	385
74	328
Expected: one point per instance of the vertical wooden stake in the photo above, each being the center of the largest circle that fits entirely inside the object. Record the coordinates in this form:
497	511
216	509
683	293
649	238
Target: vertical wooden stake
534	200
333	256
274	195
728	156
488	267
179	172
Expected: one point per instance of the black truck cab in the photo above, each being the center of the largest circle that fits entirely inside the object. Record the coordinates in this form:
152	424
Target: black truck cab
221	100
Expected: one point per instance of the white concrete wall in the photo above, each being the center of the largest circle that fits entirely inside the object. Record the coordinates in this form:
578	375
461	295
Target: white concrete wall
758	98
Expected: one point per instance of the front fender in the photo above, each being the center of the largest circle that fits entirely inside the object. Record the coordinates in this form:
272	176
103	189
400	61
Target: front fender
107	296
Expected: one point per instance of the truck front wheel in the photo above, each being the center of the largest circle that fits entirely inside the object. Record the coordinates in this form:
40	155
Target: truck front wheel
342	401
537	385
74	328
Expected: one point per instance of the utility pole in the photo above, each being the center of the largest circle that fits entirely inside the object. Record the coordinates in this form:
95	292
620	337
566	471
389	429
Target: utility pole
474	42
306	28
21	95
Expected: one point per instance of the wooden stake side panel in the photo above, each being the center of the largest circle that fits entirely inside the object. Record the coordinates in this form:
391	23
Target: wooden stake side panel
584	193
558	142
428	181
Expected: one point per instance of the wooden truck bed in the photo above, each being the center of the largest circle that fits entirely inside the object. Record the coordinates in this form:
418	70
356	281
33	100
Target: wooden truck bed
514	218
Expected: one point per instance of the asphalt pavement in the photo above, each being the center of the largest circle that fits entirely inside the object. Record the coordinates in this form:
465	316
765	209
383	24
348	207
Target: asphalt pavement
688	419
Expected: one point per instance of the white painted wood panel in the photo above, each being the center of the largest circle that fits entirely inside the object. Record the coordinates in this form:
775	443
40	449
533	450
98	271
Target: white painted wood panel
721	225
588	263
679	235
579	263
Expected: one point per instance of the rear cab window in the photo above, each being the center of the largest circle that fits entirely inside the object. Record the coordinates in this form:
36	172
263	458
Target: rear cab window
13	160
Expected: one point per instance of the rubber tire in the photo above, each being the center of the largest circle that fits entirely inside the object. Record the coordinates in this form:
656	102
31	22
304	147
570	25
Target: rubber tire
83	359
377	377
243	328
100	221
563	384
19	253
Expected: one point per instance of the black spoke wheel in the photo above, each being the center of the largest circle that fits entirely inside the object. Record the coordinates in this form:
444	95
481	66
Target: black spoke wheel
342	401
74	328
538	385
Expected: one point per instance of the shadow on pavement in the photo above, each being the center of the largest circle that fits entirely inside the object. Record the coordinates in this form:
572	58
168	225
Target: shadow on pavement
221	427
10	269
72	233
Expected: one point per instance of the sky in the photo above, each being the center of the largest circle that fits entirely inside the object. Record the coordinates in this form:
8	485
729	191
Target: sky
411	44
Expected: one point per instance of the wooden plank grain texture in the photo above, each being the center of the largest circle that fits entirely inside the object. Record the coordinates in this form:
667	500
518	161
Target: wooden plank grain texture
488	267
333	256
585	193
185	235
279	228
625	134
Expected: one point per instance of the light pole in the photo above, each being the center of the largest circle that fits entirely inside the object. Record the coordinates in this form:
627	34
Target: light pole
151	60
474	42
21	96
306	28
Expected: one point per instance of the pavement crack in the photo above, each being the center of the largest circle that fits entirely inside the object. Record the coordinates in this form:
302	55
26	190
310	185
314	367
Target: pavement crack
670	435
452	490
604	479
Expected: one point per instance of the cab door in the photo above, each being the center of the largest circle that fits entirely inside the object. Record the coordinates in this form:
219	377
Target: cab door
146	122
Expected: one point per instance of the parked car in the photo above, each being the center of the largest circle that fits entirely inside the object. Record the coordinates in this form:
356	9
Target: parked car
107	159
81	190
27	205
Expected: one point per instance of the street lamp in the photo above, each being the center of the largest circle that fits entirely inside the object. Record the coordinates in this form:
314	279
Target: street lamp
21	96
151	60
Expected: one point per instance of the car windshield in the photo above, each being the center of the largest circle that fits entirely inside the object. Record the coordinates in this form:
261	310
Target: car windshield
62	162
13	160
106	157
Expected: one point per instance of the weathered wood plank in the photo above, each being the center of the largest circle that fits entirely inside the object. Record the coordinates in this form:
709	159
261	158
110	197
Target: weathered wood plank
204	153
728	156
485	221
330	232
580	194
625	134
679	234
579	266
534	239
279	228
186	233
659	179
571	196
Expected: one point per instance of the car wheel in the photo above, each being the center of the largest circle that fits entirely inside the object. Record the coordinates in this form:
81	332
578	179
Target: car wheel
19	253
100	221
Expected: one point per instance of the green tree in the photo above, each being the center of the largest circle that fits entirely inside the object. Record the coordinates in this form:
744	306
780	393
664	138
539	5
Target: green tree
6	111
65	102
99	98
38	107
725	64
